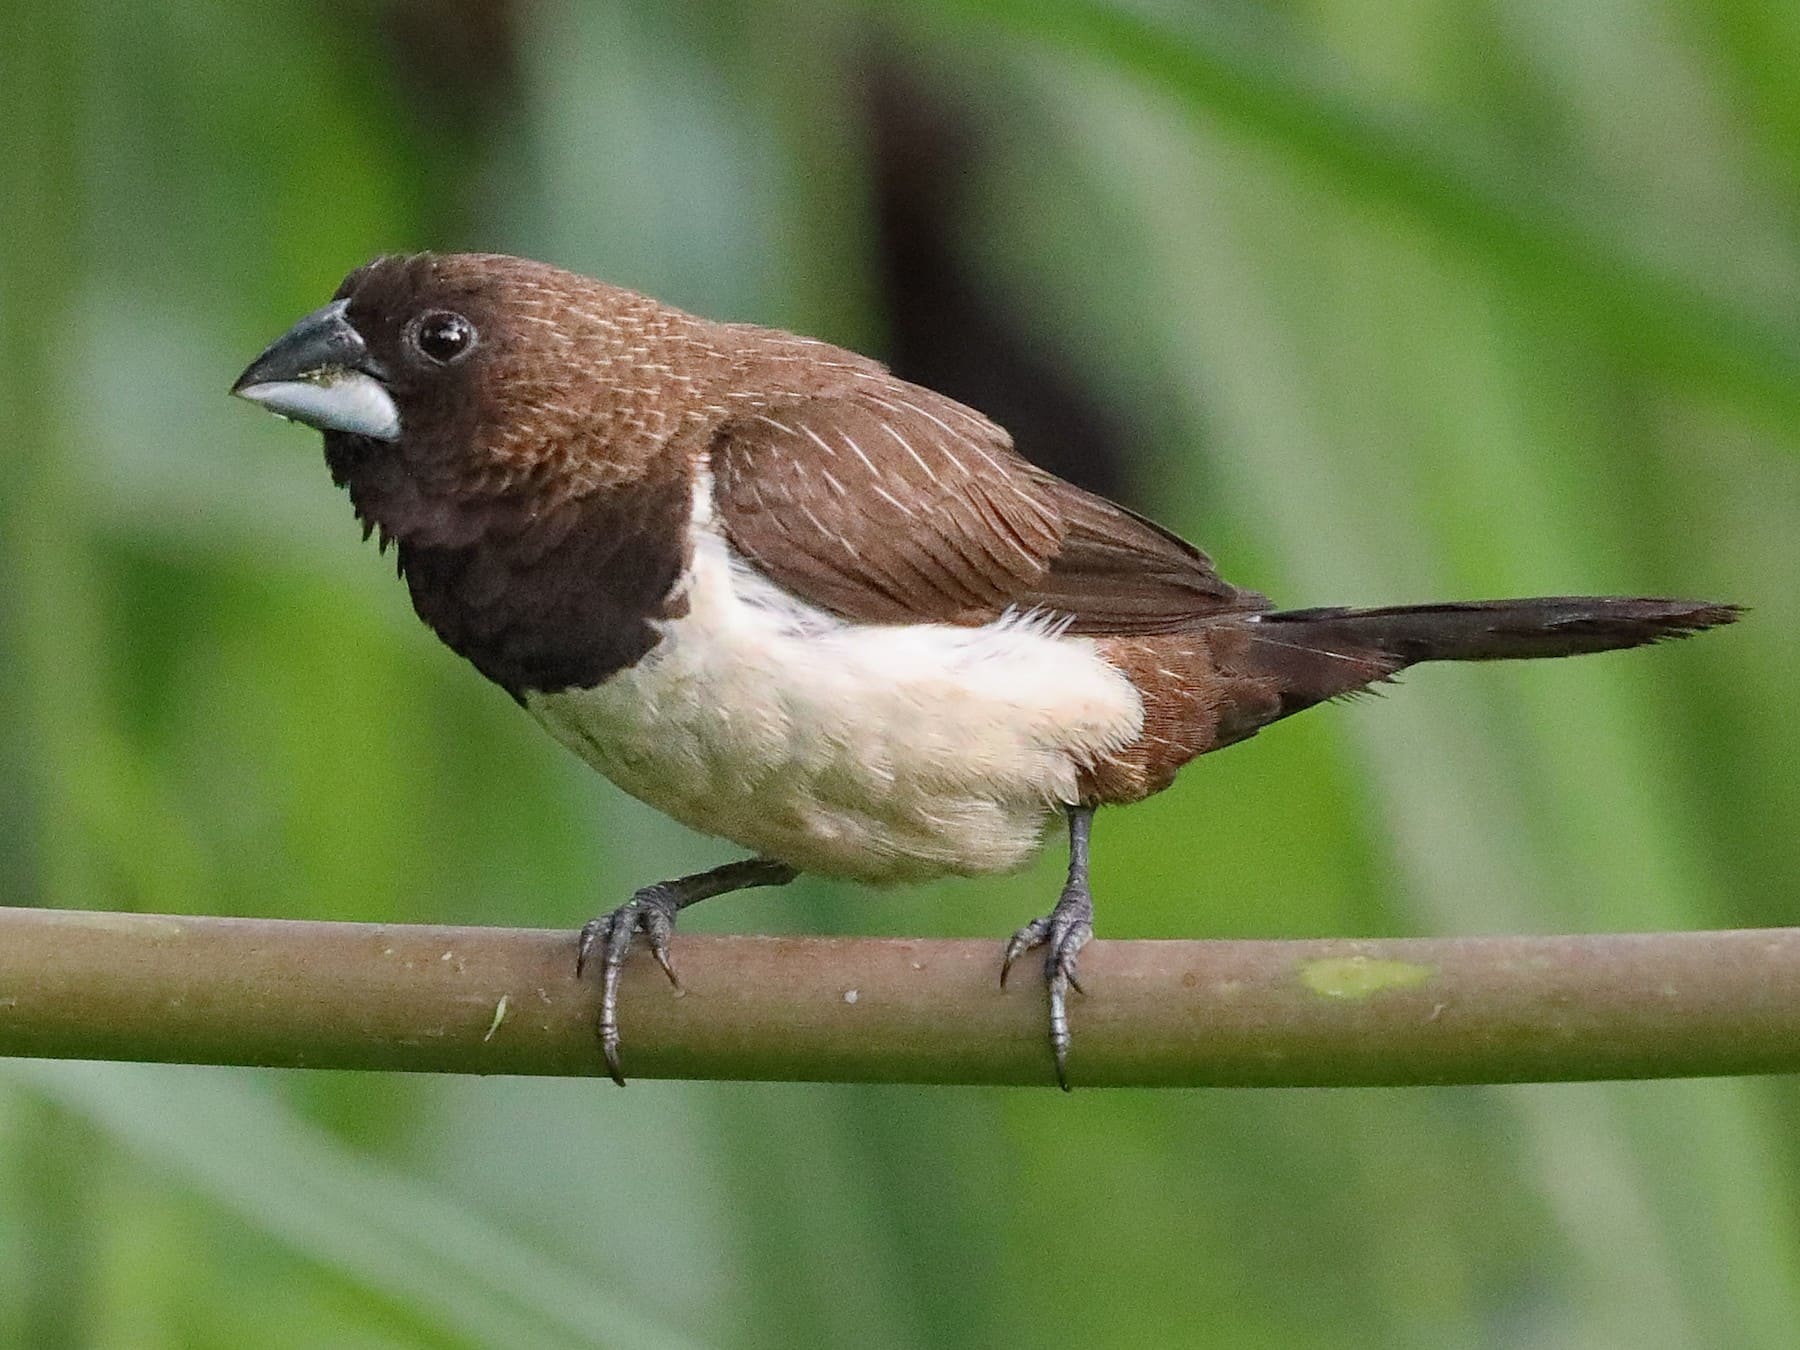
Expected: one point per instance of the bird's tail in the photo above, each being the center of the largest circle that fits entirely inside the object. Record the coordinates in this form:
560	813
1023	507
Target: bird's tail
1316	654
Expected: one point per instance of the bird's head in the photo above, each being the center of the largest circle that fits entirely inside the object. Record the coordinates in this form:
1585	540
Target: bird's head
455	390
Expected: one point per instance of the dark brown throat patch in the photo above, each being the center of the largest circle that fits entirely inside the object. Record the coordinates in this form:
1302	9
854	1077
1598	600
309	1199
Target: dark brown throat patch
537	594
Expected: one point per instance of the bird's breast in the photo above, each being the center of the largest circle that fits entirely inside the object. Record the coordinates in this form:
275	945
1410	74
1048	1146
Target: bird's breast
880	752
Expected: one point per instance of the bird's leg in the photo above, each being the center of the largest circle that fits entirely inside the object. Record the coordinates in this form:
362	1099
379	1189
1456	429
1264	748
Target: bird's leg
1064	931
651	911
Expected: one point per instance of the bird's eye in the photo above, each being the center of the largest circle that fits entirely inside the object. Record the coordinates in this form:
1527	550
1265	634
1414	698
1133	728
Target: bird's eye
443	337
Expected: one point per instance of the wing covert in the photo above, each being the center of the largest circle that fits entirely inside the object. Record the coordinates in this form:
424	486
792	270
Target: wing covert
888	503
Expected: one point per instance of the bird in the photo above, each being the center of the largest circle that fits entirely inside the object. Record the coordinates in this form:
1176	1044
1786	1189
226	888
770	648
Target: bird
790	599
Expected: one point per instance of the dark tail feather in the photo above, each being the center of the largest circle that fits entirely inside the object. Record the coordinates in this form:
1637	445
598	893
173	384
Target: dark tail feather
1320	653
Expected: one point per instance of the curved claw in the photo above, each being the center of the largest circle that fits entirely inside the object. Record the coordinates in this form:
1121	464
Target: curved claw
1060	972
1065	931
1032	935
658	925
584	945
652	912
1059	1028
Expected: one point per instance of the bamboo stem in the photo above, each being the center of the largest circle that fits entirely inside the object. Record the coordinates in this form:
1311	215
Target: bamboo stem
497	1000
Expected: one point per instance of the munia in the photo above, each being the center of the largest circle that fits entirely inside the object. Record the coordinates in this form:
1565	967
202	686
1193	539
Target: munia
785	597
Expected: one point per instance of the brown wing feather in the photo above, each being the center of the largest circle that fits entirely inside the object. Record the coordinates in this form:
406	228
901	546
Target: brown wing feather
887	503
1119	573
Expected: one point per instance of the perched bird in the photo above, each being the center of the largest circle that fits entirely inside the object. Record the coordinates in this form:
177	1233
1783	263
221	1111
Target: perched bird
788	598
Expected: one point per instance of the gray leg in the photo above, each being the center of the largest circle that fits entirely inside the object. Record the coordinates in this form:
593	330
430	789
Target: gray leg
652	912
1064	931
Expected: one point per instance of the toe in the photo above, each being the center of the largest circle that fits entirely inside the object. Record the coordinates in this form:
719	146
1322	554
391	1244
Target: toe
1033	934
609	1017
657	931
609	1047
1059	1026
615	943
592	932
1064	959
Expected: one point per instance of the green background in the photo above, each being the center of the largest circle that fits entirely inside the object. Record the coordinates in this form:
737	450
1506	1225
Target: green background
1419	300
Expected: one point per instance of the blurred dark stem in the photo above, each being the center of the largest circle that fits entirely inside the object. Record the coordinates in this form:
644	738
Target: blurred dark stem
946	330
451	71
456	62
1276	1014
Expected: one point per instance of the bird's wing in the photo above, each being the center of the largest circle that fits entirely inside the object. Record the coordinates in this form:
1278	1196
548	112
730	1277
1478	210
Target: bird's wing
888	503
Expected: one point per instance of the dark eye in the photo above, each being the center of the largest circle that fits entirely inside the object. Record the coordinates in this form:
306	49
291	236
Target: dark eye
444	336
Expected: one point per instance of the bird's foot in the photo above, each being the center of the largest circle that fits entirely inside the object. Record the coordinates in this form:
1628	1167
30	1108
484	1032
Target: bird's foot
1063	932
651	911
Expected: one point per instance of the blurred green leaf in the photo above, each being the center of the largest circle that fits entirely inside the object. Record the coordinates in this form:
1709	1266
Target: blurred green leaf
1255	75
217	1134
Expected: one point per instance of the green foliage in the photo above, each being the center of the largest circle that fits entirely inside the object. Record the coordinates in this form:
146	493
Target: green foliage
1403	302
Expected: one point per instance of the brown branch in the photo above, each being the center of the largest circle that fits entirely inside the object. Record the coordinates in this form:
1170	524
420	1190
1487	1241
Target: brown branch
499	1000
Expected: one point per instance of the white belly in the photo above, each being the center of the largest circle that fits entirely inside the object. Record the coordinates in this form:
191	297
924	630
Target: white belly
881	753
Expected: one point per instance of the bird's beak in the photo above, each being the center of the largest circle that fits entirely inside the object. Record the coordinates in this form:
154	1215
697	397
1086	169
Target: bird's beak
320	372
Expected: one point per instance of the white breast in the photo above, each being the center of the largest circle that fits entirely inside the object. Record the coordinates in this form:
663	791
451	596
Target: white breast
885	753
